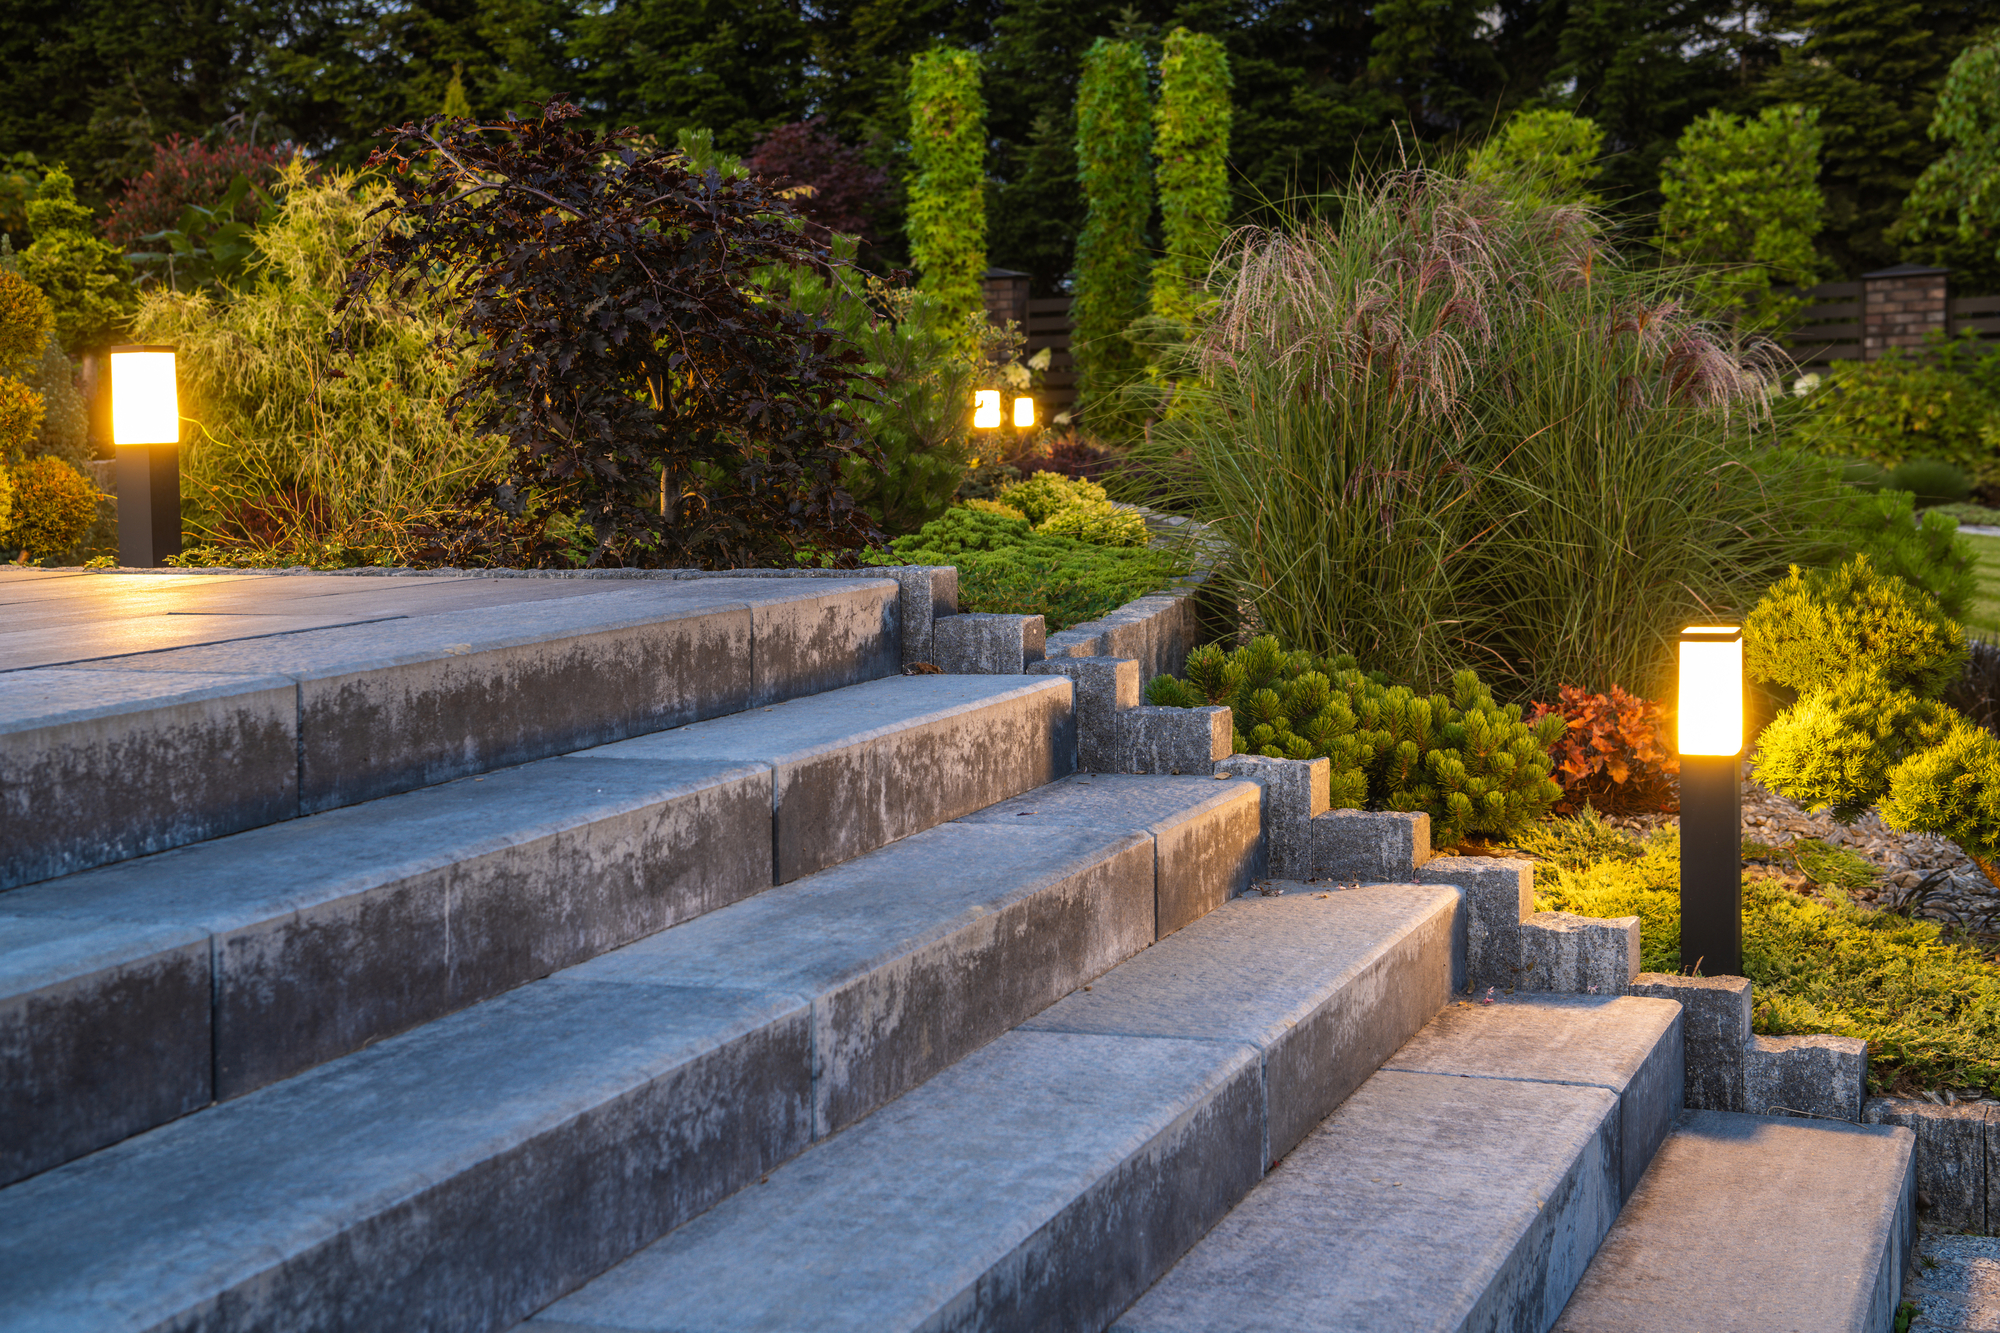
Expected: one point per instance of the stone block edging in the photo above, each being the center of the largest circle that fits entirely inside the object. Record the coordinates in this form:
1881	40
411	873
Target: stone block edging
1958	1159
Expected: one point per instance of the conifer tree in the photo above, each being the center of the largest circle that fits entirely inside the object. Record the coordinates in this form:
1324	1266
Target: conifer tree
1191	145
86	280
1113	147
456	107
947	217
1954	212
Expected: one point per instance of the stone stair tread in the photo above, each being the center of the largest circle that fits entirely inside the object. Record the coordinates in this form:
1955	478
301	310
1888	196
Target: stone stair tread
1044	1180
971	1193
1467	1193
127	753
478	1166
1758	1224
356	923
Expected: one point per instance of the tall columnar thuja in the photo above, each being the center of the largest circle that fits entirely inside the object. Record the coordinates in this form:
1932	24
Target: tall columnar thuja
948	200
1191	145
1114	134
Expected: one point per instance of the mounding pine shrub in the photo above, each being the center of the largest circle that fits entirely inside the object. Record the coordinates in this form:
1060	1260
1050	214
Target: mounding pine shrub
54	508
1921	548
1454	430
1474	765
1071	507
1813	627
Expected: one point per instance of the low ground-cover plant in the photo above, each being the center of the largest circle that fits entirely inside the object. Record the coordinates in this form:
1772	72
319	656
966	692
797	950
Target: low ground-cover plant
1005	566
1613	753
1928	1005
1474	765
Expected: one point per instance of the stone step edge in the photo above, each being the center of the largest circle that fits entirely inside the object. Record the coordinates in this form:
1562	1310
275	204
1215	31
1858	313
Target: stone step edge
1116	886
733	802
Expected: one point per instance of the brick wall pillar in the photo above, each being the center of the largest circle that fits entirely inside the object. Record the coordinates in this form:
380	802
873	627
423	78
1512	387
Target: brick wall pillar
1006	296
1901	307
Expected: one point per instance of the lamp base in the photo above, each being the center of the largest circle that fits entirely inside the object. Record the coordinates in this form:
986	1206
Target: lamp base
1712	864
149	504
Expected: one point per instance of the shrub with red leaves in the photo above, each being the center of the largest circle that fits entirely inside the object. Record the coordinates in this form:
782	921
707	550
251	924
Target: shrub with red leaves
1613	754
184	172
845	188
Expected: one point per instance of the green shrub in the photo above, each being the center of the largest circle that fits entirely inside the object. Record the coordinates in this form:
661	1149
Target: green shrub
1072	507
1967	515
1898	408
1835	747
947	217
1475	766
1816	626
1924	550
1931	482
1928	1008
54	507
1005	566
85	280
1951	787
1191	147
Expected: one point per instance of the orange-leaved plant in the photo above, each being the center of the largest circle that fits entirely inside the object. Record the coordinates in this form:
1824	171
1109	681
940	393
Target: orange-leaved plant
1612	754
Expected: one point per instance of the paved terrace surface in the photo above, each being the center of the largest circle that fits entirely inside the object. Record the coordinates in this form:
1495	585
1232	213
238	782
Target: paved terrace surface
62	617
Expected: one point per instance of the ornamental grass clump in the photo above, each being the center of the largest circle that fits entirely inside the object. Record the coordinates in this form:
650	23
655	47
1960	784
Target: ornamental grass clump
1455	429
1474	765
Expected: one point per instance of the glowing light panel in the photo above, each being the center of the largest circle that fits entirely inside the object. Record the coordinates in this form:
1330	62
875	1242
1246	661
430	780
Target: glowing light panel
1711	703
986	409
145	403
1024	412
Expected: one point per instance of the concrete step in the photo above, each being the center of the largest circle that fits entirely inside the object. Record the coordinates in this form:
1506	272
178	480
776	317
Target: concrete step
1758	1224
1464	1186
130	735
466	1173
1044	1180
137	992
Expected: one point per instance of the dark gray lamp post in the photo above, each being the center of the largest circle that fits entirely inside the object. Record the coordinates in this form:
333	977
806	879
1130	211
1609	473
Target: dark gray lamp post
146	429
1711	746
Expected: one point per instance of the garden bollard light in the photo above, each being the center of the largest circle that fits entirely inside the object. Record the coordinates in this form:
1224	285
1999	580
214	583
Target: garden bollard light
146	428
1024	413
1711	747
986	409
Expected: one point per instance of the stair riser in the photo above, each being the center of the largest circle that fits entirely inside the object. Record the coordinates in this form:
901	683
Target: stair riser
1103	1250
1315	1066
1204	864
91	1059
889	1031
835	807
212	740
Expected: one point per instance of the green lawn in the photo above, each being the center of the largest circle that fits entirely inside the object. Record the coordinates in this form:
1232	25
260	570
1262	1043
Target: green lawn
1984	617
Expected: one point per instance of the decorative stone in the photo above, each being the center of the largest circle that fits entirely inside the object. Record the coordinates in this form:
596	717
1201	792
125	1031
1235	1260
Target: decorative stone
1952	1173
986	645
1295	792
1581	955
1105	687
1371	846
1716	1028
1498	892
1817	1075
1172	740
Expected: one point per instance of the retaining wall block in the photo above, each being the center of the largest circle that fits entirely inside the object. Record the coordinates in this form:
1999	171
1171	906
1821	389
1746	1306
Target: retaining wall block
1817	1075
1172	740
1371	846
1715	1017
1578	955
1104	688
1295	791
1954	1175
986	645
1498	892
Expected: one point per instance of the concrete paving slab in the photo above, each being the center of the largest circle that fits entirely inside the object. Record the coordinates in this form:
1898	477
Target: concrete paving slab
104	1031
340	930
455	1178
1094	1162
98	766
1324	985
1205	833
1626	1045
919	953
1425	1203
855	768
1756	1224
